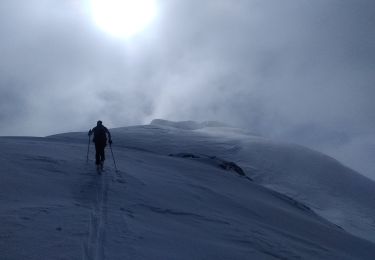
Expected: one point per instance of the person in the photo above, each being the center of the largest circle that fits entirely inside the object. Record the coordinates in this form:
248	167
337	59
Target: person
100	133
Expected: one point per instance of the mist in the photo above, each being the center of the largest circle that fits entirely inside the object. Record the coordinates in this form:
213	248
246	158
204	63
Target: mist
298	71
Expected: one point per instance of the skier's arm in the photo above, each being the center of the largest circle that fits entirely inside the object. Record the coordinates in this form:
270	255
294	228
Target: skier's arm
109	136
89	133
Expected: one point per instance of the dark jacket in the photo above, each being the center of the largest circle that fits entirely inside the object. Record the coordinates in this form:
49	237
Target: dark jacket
100	133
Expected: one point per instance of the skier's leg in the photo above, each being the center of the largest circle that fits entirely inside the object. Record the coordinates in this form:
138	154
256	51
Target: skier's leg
103	154
102	157
97	154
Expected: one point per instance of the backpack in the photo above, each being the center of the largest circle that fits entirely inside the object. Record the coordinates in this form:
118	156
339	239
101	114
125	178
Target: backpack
100	134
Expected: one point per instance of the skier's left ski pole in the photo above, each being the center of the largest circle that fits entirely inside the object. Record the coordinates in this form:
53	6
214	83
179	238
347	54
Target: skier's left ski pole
88	148
113	157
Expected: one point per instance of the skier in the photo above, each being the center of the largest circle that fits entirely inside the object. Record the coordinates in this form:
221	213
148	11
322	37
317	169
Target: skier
100	139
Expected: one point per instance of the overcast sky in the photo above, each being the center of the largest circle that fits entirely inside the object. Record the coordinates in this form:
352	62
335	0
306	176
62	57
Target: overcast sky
297	70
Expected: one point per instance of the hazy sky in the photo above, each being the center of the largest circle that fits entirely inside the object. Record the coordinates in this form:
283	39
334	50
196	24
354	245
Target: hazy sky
297	70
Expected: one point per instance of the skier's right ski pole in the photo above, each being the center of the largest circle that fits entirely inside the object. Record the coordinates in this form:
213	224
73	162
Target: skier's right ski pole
114	161
88	148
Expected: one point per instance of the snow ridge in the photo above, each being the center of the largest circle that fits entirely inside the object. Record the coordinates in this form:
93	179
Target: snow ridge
187	125
184	206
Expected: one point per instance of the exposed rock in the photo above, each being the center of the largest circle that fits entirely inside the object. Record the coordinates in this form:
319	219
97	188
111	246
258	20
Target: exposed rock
215	161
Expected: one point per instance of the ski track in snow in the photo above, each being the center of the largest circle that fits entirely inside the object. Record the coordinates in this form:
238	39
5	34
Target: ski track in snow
95	244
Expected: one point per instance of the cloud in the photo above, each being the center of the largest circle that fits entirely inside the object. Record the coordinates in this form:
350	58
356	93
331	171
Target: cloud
296	61
277	68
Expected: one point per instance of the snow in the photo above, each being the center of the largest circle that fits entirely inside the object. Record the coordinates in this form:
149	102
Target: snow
300	205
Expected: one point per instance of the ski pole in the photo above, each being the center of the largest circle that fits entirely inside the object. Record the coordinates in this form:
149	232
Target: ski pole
88	148
114	161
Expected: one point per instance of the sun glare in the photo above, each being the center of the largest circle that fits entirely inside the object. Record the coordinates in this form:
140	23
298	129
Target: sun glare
123	18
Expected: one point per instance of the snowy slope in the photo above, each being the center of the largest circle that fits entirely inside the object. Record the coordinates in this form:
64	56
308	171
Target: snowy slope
55	206
336	192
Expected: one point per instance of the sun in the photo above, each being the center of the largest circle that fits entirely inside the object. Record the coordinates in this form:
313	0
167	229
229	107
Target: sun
123	18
